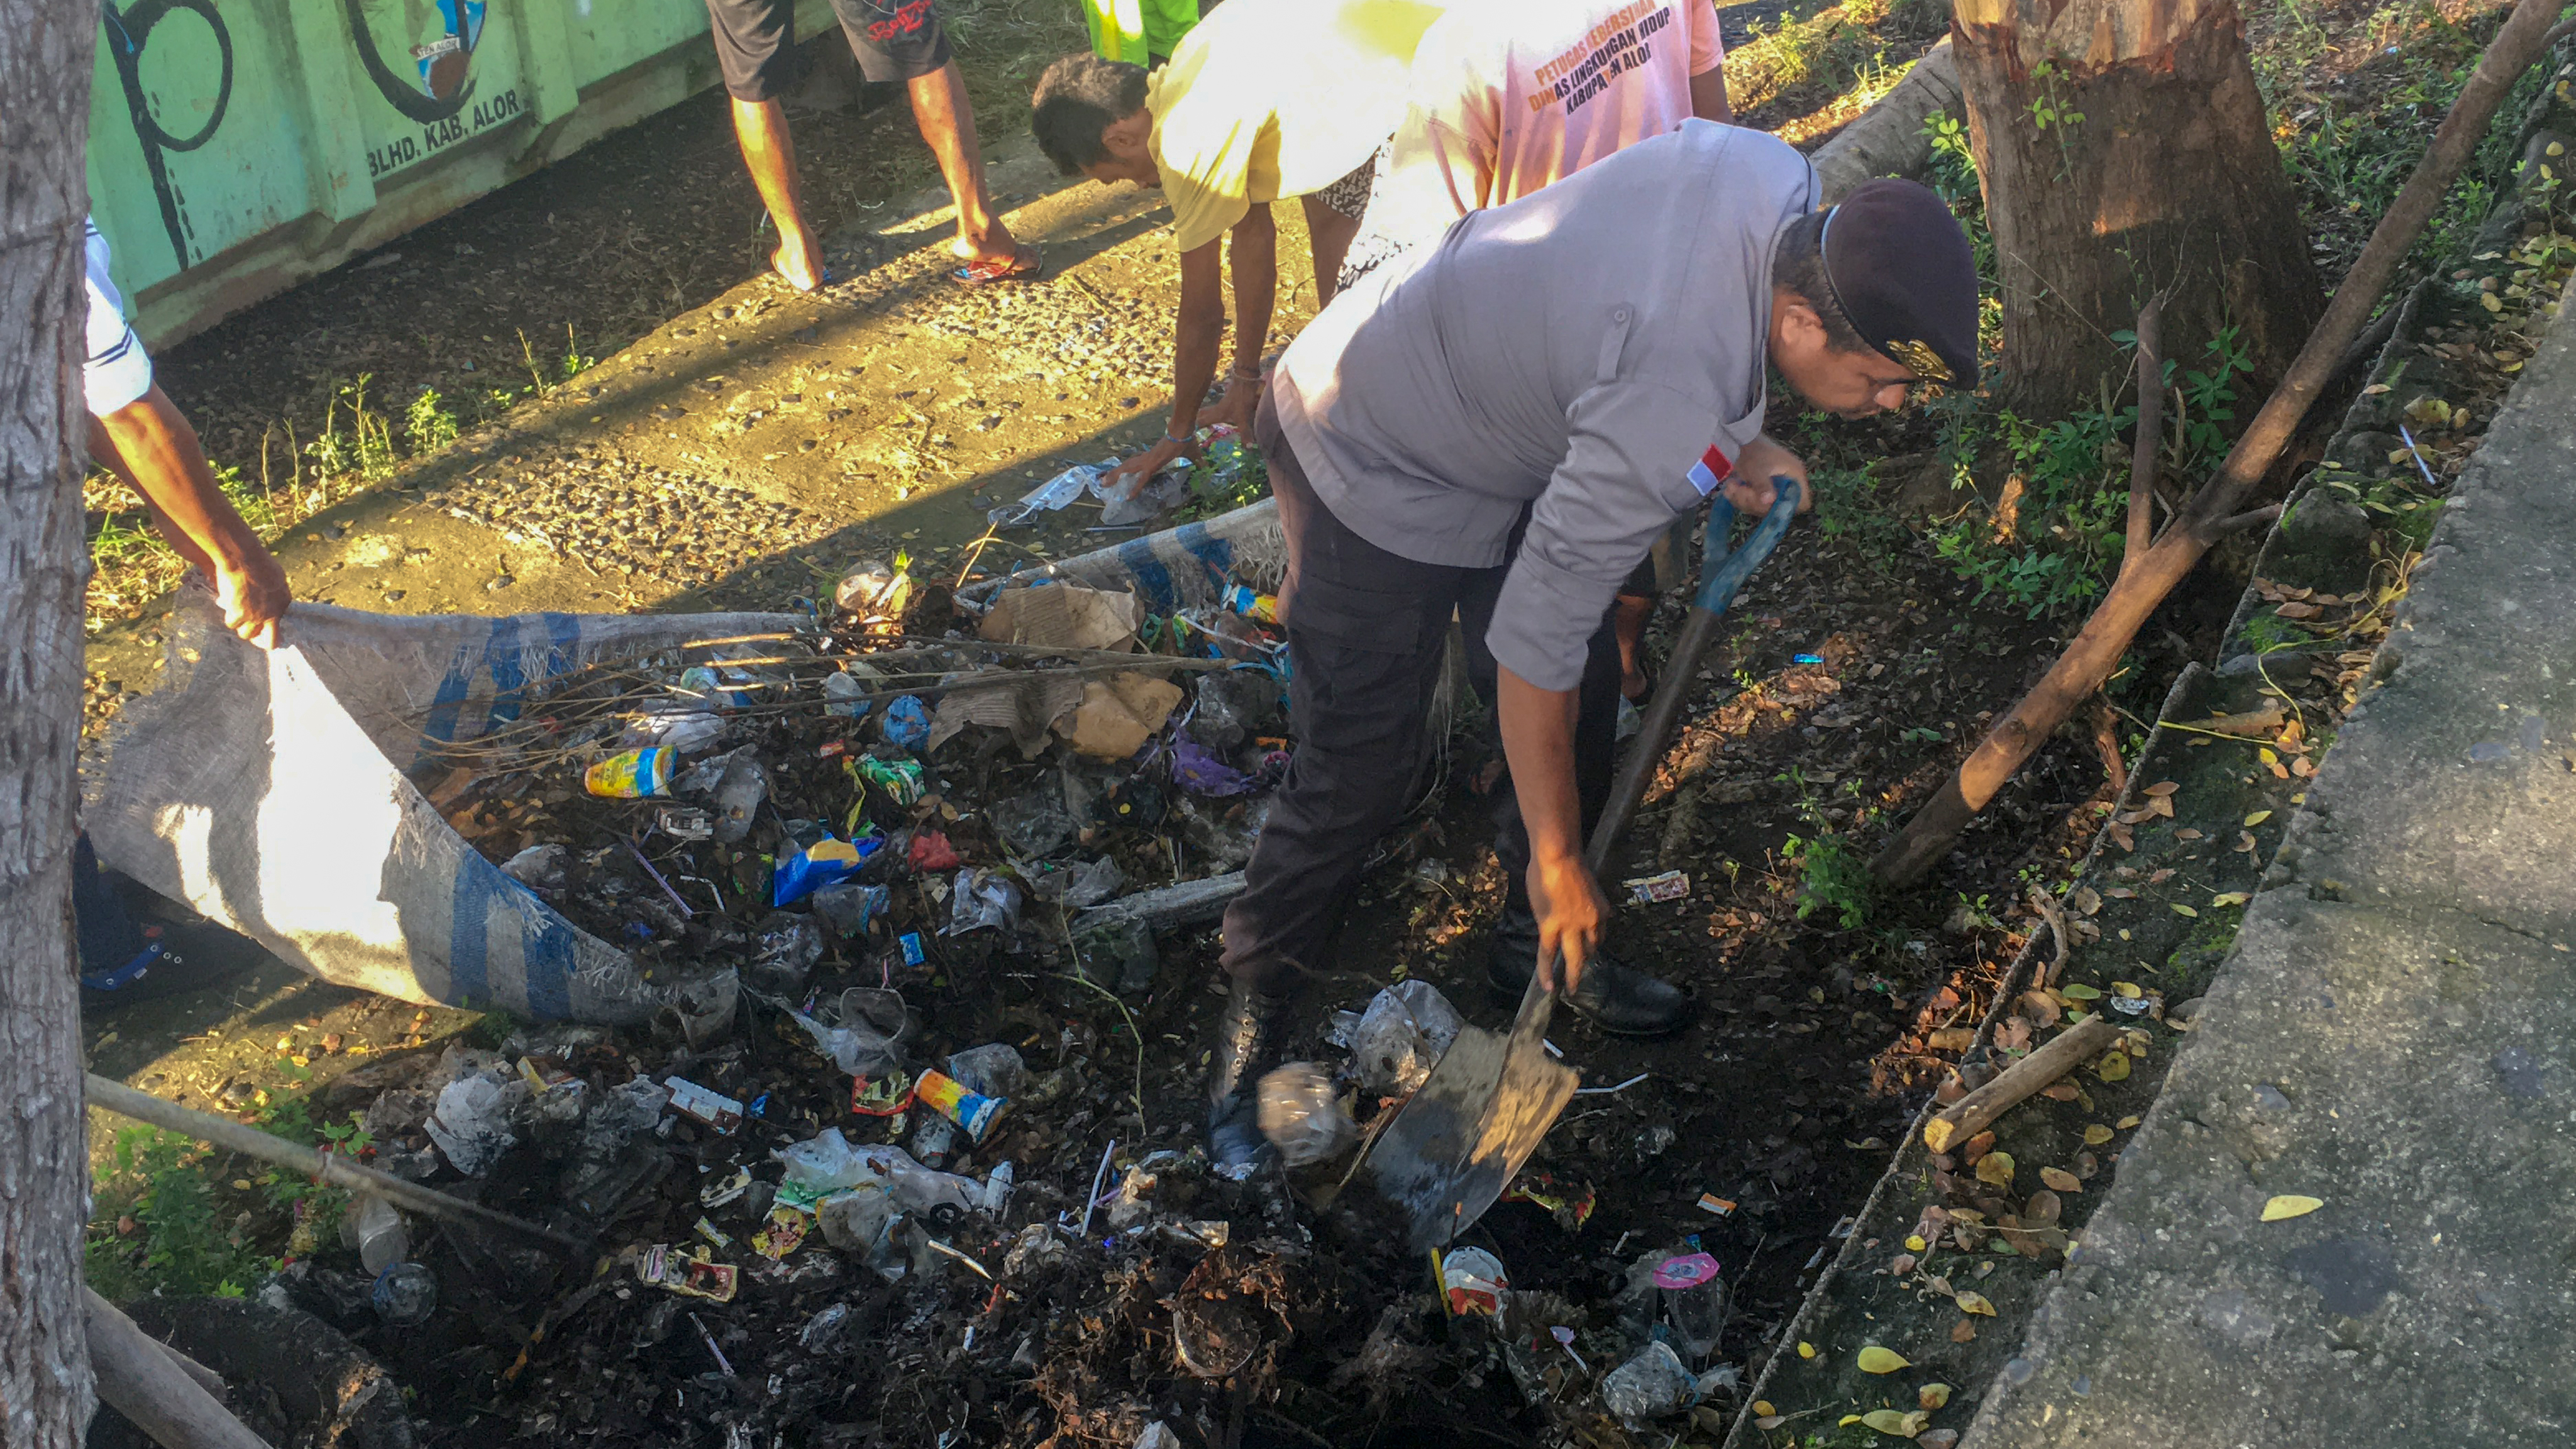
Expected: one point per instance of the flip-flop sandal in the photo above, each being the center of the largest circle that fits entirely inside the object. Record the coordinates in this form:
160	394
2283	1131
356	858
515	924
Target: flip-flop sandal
1026	265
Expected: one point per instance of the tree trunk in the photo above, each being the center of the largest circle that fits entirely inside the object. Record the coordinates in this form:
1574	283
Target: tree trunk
2124	152
45	58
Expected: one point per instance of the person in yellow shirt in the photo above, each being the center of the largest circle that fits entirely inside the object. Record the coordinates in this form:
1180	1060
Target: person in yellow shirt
1264	100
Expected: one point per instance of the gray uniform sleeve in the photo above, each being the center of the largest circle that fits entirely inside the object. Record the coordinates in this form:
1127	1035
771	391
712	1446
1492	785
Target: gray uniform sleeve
1624	480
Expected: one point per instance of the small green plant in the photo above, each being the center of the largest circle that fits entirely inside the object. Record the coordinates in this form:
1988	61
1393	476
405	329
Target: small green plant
1833	875
178	1241
575	363
429	426
366	450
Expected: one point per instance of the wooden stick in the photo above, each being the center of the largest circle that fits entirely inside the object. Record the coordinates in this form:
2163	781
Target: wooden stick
1969	1115
140	1378
331	1168
2063	944
2151	428
2141	588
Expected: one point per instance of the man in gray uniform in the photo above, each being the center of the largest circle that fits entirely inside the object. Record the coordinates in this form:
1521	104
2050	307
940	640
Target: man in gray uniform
1499	425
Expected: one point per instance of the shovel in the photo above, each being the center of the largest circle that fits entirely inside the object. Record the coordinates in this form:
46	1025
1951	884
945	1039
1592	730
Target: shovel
1456	1143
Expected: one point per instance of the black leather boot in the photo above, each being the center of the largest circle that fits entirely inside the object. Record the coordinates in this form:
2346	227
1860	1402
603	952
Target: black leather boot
1619	999
1249	1037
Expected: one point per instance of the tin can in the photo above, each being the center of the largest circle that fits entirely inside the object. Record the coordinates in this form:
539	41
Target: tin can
949	1098
632	774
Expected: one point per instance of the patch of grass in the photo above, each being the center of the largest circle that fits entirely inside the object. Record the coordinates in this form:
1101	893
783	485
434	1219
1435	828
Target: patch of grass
1833	876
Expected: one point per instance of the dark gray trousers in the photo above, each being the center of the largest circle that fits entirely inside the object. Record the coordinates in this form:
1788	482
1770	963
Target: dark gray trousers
1367	630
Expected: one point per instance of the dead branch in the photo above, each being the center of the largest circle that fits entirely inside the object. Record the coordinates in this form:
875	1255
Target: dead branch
2238	524
2106	742
1971	1114
2143	585
2142	453
143	1380
2063	944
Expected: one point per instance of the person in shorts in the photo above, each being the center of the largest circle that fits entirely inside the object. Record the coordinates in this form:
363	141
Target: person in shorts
895	40
1262	101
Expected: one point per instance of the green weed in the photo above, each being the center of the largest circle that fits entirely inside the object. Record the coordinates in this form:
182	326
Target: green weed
179	1244
1833	875
429	425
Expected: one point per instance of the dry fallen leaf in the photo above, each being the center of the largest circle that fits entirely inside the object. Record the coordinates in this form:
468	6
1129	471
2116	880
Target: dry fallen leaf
1902	1426
2061	1180
1768	1421
1933	1396
1806	1349
2180	909
1914	1243
2095	1134
1972	1303
2060	1091
1963	1330
2125	1123
2078	991
2085	899
2114	1067
2258	817
2229	898
1978	1146
1902	1264
1877	1360
1996	1168
2290	1205
2041	1211
2187	833
2162	788
2128	989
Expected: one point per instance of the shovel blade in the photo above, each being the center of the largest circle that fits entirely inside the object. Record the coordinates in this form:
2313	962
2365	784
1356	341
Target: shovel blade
1457	1143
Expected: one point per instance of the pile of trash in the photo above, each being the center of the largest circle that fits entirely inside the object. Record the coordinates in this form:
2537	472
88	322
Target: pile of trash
899	1163
1051	781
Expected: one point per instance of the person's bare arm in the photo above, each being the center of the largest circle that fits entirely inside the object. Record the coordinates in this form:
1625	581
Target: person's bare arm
1195	339
150	445
1255	264
1708	96
1538	742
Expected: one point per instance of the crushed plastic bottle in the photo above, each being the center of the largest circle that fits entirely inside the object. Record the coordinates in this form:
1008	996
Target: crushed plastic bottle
1405	1029
1301	1116
1034	824
1649	1386
737	781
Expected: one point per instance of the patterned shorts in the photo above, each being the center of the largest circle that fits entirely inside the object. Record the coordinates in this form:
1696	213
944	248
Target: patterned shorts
1350	195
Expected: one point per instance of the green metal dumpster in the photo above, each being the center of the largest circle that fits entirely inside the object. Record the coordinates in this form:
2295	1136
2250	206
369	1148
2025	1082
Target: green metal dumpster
238	147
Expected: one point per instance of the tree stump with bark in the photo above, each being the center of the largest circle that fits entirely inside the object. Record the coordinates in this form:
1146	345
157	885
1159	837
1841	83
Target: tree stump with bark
2124	153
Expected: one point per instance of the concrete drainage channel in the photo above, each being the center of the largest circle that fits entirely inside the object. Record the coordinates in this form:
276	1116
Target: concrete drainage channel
2244	1223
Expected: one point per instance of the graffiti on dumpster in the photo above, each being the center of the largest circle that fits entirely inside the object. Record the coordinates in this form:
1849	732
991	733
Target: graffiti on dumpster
128	31
429	82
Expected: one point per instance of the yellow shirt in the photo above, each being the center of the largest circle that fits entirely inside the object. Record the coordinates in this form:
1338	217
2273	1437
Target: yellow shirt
1269	99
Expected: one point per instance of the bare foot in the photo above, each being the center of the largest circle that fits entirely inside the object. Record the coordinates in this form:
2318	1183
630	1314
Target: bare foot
795	265
994	246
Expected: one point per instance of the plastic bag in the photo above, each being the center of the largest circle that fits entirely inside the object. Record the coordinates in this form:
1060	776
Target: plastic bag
1051	496
1033	824
623	1114
1649	1386
863	1044
826	1162
472	1121
991	1070
1197	770
1401	1035
907	722
1301	1116
1235	705
789	947
848	907
706	1006
843	690
980	898
538	865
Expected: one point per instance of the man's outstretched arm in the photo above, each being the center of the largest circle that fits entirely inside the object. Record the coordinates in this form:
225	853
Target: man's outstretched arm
150	445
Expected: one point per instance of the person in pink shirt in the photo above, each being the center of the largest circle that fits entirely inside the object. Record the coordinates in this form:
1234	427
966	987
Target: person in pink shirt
1507	96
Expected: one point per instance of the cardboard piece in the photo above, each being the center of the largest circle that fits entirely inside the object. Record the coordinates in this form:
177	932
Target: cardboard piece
1025	702
1119	714
1065	616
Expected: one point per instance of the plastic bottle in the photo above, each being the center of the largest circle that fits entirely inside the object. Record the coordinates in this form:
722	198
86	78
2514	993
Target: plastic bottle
404	1294
1694	1303
738	795
382	1242
632	774
1649	1386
